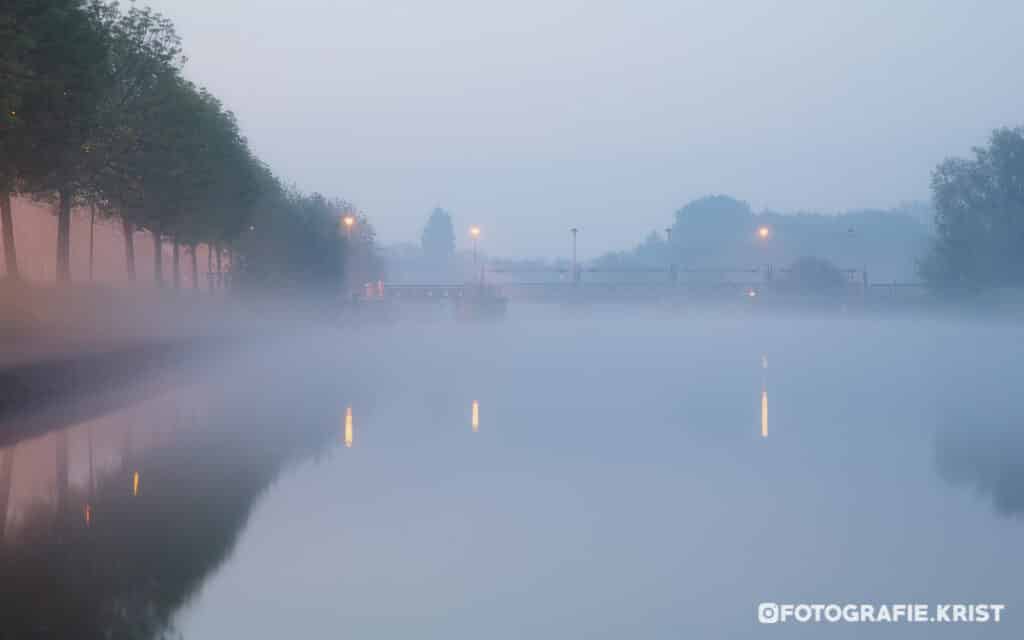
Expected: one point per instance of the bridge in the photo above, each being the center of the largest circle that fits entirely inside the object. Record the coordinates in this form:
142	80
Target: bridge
555	283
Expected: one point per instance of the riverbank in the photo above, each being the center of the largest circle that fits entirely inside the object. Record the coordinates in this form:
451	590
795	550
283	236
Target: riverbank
78	351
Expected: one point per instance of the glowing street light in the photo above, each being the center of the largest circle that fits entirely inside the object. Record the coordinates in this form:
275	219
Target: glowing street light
349	221
474	232
763	232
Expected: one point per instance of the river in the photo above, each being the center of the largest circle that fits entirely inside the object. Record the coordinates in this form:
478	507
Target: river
565	473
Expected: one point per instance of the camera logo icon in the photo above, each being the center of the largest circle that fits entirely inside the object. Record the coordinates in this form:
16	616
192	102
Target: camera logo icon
767	613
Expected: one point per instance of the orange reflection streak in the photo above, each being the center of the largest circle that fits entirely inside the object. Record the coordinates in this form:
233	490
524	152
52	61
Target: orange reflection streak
348	427
135	483
88	514
476	416
764	414
764	396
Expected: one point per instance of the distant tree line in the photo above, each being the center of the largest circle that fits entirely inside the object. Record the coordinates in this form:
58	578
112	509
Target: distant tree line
95	112
722	232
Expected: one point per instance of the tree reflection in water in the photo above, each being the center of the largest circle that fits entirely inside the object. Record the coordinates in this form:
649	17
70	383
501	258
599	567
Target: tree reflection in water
988	457
119	565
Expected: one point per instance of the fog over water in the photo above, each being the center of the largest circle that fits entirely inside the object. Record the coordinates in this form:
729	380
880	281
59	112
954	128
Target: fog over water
618	481
640	498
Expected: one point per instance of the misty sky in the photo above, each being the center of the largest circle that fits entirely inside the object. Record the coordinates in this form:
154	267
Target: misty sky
533	116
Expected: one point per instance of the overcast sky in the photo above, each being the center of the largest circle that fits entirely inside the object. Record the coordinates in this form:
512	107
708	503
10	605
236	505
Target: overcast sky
532	116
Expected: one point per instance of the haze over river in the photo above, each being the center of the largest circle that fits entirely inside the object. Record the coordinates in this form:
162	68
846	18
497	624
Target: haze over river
570	474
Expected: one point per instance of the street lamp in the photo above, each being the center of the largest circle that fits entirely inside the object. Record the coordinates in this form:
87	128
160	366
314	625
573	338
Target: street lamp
574	231
474	232
349	222
763	232
671	256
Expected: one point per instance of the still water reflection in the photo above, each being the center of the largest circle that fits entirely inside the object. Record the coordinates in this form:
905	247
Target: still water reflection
619	489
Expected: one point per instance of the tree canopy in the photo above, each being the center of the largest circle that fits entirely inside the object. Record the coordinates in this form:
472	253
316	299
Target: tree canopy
439	237
979	216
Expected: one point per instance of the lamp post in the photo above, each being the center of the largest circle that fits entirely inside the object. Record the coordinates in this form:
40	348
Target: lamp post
671	255
575	271
763	233
474	233
349	221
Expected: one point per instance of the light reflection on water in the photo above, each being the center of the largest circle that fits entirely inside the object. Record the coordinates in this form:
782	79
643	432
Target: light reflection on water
764	396
764	414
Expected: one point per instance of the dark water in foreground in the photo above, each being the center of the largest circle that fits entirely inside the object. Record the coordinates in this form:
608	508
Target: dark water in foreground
632	474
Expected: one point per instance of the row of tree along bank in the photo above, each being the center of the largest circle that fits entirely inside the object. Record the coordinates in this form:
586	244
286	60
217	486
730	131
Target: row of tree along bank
96	113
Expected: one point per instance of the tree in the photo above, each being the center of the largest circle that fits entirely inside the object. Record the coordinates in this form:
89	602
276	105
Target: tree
294	243
979	216
13	76
53	142
815	276
50	63
439	237
145	57
712	220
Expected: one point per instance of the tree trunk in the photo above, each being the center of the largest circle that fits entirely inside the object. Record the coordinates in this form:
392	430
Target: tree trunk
6	471
64	236
176	253
220	272
195	269
10	254
209	266
129	248
92	238
158	260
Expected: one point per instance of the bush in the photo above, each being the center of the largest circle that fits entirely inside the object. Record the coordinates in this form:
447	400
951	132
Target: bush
816	276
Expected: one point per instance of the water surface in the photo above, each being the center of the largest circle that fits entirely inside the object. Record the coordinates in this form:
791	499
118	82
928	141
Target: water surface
582	474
